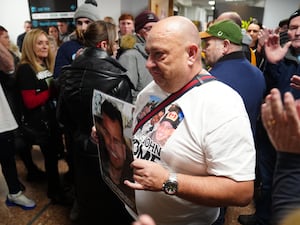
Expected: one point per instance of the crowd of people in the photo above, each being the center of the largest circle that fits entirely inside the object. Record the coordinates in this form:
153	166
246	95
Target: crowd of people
216	120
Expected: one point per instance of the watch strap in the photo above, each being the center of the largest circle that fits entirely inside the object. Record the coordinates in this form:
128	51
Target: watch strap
170	186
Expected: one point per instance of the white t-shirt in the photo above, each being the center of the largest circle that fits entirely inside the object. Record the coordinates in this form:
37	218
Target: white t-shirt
7	120
213	137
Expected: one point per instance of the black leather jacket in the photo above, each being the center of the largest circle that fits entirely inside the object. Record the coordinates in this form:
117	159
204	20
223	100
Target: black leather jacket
93	69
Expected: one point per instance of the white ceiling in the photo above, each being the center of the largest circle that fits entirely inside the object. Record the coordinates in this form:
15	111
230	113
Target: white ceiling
204	3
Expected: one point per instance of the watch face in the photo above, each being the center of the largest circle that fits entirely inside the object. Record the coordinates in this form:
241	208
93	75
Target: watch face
170	187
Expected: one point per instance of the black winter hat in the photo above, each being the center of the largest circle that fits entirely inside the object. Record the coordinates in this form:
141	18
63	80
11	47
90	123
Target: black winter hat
295	14
144	18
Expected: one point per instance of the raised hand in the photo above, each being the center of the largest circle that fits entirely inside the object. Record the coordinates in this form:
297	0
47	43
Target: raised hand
274	51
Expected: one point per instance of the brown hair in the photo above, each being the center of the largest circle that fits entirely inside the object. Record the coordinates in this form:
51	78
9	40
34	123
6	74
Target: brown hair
100	31
126	16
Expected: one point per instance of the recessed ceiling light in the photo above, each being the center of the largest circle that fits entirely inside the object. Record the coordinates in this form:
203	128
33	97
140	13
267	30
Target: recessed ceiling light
211	2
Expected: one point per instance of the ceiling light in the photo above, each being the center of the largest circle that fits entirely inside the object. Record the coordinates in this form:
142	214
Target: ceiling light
211	2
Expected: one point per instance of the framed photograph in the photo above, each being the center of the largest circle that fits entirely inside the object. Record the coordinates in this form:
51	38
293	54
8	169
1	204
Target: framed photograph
161	8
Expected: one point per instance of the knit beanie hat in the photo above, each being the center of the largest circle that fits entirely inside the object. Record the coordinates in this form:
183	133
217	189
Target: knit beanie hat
89	10
144	18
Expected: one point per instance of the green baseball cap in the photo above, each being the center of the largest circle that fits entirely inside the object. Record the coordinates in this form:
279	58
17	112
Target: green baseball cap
225	29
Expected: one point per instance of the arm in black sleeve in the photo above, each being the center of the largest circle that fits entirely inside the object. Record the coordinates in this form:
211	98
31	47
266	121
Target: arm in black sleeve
286	186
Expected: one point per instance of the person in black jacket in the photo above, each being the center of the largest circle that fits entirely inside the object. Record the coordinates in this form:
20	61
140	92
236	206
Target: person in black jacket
94	68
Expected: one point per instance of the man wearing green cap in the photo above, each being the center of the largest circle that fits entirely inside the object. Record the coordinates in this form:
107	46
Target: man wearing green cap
223	52
225	29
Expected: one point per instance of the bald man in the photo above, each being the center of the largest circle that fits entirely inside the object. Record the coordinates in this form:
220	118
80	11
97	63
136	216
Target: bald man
209	159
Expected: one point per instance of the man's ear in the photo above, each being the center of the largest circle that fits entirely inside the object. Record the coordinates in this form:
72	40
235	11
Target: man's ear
193	53
226	44
102	45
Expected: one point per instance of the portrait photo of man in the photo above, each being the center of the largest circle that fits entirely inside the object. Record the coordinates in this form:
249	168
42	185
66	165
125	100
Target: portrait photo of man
167	125
114	151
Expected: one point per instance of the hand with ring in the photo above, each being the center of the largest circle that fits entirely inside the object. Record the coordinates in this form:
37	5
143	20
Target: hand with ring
271	123
282	121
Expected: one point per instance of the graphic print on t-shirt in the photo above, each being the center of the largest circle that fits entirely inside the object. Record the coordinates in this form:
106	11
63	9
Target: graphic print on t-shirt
149	141
45	75
151	104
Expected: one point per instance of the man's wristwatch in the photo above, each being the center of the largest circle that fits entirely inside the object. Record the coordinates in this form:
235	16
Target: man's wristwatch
170	186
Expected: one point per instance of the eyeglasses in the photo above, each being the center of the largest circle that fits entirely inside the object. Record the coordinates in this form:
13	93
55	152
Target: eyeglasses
80	23
147	29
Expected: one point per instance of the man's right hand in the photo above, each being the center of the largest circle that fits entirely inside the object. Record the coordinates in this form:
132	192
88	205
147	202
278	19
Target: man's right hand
273	50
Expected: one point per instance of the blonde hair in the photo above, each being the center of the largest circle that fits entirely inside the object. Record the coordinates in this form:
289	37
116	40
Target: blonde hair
127	41
29	56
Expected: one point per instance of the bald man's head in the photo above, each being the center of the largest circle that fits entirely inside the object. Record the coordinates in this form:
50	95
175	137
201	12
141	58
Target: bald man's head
234	16
174	52
177	27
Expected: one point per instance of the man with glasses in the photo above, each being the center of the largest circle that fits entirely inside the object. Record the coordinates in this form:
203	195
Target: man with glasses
143	24
134	58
